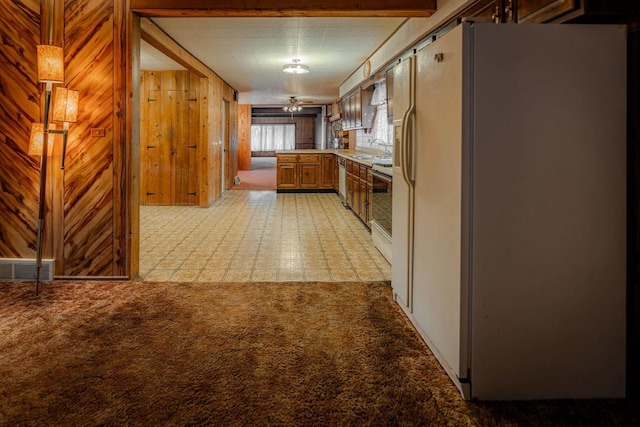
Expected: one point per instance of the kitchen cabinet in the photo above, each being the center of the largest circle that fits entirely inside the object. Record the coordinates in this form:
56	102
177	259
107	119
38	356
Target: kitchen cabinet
287	171
305	171
353	172
357	109
539	11
309	170
490	9
357	191
369	192
336	174
544	10
327	171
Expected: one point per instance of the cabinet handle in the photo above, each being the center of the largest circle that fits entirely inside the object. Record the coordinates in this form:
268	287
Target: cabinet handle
508	10
495	17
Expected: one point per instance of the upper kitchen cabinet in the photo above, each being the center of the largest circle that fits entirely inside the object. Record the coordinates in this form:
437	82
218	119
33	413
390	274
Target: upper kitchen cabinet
490	9
357	109
588	11
542	11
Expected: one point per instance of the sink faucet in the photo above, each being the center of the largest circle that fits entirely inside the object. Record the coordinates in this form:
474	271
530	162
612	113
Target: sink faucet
386	153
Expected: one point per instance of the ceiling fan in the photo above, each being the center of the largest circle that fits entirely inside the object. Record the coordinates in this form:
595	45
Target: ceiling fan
294	105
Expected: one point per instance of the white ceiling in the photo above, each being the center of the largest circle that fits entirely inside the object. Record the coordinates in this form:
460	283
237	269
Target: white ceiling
248	53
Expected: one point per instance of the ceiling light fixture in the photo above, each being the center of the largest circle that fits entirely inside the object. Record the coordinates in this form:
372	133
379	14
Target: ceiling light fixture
294	105
295	68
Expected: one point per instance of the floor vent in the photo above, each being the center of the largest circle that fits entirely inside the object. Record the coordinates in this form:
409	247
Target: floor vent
25	269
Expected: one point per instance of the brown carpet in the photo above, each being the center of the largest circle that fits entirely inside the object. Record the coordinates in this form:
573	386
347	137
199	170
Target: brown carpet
259	179
294	354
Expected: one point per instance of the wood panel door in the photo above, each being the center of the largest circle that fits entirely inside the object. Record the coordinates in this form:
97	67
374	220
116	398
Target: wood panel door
168	148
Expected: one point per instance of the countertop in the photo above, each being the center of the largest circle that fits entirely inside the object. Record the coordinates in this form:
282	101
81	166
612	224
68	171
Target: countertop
348	154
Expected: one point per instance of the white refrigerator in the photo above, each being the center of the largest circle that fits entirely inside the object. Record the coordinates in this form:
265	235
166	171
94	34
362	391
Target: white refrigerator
509	207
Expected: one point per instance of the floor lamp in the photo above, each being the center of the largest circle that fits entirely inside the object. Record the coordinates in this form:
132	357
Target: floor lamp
50	70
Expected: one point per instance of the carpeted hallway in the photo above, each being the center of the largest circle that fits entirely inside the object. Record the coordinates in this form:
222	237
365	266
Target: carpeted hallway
227	354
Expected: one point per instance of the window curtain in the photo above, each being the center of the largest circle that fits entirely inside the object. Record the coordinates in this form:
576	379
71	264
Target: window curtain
273	137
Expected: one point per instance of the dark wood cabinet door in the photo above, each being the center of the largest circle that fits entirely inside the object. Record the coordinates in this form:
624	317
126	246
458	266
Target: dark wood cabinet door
357	109
309	175
326	171
350	190
355	190
543	10
490	9
368	204
363	201
287	175
336	174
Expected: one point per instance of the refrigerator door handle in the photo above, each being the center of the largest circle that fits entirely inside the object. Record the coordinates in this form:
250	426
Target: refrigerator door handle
405	159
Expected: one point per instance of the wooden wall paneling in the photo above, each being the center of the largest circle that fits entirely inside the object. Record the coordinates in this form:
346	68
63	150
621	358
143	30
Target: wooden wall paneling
19	97
211	160
156	151
89	172
131	214
204	151
170	138
193	111
179	138
144	123
244	136
168	121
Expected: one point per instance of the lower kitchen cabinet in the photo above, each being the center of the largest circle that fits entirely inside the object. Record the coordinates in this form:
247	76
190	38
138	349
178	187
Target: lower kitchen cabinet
304	171
357	191
287	175
327	166
309	175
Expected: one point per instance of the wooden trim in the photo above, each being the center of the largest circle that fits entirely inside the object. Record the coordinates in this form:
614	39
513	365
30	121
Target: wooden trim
120	51
157	38
276	8
132	228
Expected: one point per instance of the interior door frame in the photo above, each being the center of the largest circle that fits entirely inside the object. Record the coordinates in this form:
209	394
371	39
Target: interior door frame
227	179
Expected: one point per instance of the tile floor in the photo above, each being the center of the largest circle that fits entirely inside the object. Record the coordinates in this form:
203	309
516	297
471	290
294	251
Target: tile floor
258	236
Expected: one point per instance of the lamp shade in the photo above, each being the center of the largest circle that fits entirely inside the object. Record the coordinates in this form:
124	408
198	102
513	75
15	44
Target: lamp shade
50	64
36	139
65	105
